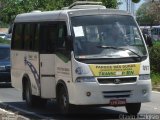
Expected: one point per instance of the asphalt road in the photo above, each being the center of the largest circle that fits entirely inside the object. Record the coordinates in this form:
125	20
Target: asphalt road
11	100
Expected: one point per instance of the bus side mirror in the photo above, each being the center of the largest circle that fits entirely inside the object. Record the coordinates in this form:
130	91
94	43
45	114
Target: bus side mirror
69	43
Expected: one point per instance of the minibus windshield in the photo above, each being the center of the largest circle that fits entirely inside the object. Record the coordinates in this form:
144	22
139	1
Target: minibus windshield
92	33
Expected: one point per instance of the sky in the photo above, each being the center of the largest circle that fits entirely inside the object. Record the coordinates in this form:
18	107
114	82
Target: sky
137	5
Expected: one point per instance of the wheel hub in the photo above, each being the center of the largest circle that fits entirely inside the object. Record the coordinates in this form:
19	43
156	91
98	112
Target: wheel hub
64	100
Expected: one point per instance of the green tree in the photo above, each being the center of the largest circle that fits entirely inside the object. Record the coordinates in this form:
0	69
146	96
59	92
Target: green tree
148	13
110	3
10	8
136	1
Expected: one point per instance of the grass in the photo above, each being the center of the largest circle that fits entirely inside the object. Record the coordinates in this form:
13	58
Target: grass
4	25
3	41
155	77
156	42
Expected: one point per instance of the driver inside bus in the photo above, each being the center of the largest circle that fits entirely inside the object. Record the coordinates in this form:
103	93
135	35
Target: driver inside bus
114	37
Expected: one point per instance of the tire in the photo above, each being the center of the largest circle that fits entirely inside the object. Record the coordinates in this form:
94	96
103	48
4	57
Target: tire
31	100
63	102
133	108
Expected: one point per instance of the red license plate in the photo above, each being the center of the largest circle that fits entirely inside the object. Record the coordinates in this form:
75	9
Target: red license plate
117	102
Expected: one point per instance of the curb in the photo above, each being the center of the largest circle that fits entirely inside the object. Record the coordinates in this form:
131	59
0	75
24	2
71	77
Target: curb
7	115
22	113
156	89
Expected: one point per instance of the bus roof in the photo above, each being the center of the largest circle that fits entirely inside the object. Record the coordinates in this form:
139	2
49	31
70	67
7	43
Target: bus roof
60	14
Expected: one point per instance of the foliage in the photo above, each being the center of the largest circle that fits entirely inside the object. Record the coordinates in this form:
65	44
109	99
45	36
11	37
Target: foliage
136	1
10	8
3	25
155	78
155	57
154	53
3	41
110	3
148	13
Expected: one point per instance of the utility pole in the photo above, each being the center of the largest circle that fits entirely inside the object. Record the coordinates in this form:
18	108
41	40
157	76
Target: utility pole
130	7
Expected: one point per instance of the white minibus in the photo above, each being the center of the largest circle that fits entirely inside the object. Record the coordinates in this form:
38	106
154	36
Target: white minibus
80	56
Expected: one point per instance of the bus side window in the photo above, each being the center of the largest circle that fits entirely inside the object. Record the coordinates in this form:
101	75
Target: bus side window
62	39
27	37
62	33
30	36
17	41
48	36
61	36
36	37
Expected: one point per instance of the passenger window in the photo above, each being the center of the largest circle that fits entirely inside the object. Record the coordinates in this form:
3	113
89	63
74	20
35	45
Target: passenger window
17	42
29	36
61	41
62	33
48	36
32	37
52	36
27	40
36	40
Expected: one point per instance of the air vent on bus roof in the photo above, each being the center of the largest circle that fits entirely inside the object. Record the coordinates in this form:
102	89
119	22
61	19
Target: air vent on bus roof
85	5
35	11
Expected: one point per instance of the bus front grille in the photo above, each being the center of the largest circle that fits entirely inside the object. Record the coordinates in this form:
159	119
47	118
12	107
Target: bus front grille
117	94
117	80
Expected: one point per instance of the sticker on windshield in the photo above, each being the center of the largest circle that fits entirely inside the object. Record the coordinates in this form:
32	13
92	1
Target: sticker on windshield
78	31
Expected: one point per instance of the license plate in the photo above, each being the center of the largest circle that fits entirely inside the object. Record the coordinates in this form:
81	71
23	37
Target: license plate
117	102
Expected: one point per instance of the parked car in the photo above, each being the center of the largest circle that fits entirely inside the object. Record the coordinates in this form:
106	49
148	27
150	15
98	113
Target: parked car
2	35
8	36
5	65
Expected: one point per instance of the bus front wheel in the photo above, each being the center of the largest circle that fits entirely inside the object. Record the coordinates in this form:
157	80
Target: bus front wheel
133	108
63	101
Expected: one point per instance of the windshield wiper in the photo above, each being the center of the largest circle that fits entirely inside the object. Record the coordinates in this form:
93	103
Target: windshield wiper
119	48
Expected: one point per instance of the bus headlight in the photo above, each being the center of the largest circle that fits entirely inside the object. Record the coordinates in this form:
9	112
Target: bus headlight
144	77
85	79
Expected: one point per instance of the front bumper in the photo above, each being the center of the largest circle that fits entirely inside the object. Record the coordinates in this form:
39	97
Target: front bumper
138	92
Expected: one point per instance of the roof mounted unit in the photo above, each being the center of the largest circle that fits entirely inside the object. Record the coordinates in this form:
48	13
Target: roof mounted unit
35	11
85	5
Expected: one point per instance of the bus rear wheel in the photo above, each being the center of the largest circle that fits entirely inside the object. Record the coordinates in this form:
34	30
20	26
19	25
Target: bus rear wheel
133	108
32	100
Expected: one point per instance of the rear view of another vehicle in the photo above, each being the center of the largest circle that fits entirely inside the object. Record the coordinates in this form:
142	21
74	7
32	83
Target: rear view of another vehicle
5	66
8	36
155	33
2	35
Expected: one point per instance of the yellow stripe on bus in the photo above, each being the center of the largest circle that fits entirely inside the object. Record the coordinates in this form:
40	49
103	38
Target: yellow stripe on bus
115	70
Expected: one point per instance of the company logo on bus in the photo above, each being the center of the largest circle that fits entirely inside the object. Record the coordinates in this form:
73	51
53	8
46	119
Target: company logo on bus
117	81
